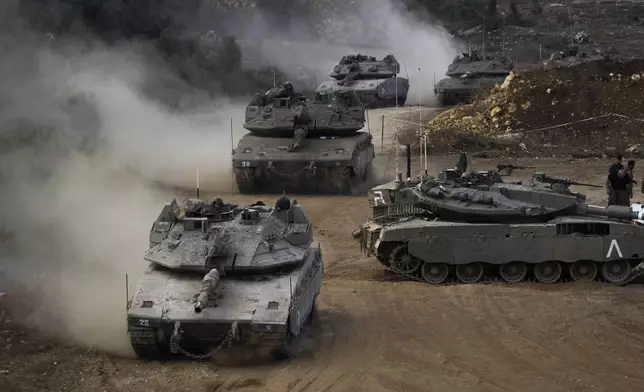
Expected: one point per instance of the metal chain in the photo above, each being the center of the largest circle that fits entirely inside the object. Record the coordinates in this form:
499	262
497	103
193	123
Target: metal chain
176	349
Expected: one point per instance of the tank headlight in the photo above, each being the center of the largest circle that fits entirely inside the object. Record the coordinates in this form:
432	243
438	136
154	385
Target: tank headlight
248	149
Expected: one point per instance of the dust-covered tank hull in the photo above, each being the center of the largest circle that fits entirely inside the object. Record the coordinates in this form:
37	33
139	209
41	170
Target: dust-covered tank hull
440	252
250	279
469	75
331	165
471	233
374	93
374	81
304	146
452	91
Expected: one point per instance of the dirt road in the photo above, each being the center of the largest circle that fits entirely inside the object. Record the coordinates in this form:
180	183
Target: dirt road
377	333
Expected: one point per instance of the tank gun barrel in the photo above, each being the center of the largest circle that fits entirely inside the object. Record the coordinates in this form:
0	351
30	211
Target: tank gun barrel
509	168
208	286
635	212
540	177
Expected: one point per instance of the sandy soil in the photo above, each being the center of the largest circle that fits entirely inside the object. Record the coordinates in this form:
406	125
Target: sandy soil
377	333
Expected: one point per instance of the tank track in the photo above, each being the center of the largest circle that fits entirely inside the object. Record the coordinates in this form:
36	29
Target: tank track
245	178
339	180
145	344
386	103
452	280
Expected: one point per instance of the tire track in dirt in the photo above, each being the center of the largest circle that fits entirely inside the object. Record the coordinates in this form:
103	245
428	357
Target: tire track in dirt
340	358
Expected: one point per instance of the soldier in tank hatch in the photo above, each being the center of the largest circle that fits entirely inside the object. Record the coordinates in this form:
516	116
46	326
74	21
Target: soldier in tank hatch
283	203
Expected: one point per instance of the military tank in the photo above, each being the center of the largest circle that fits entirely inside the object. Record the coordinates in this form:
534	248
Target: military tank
468	74
222	276
327	152
374	81
495	231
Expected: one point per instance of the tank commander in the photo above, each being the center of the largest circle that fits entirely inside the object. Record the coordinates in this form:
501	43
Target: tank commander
283	203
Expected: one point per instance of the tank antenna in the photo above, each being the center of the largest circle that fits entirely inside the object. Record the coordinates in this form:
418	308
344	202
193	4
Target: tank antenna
396	82
408	160
425	143
197	182
396	147
127	293
420	122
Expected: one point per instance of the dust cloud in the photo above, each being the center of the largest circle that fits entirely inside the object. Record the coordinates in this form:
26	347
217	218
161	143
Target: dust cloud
373	27
81	150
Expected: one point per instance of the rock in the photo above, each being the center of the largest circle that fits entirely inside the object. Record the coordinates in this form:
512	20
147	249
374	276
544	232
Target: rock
611	152
495	111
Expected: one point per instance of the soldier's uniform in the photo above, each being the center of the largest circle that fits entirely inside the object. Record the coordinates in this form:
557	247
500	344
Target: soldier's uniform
619	192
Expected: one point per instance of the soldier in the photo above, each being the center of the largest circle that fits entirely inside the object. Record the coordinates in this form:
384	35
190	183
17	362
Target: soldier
619	182
283	203
288	87
613	169
629	171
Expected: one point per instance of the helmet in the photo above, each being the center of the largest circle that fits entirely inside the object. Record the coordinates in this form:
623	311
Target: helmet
288	85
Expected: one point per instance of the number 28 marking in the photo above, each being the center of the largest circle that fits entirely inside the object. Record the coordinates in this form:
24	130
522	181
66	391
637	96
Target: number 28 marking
245	164
144	323
377	198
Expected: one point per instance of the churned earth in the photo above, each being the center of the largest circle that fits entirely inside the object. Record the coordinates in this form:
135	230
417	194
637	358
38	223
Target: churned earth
377	332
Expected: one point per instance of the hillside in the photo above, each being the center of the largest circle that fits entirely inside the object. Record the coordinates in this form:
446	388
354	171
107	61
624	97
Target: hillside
584	110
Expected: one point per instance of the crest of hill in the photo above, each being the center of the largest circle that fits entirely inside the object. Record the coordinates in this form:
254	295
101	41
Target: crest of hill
588	107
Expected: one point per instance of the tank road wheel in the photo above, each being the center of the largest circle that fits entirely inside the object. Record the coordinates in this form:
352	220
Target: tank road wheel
402	261
548	271
246	181
469	273
145	343
289	346
313	315
583	270
616	271
434	273
513	272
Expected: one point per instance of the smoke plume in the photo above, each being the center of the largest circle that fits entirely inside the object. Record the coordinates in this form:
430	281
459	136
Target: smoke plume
372	27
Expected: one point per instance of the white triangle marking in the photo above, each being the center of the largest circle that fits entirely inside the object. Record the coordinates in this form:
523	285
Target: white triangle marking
615	245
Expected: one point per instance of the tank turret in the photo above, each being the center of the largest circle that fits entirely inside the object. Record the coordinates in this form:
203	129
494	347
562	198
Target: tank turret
469	73
375	81
302	145
221	274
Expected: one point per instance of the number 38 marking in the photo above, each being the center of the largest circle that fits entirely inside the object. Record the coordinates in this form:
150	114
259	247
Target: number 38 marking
245	164
144	323
377	198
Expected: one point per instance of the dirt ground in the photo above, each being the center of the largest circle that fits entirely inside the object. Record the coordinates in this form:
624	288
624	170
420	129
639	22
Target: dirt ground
378	333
